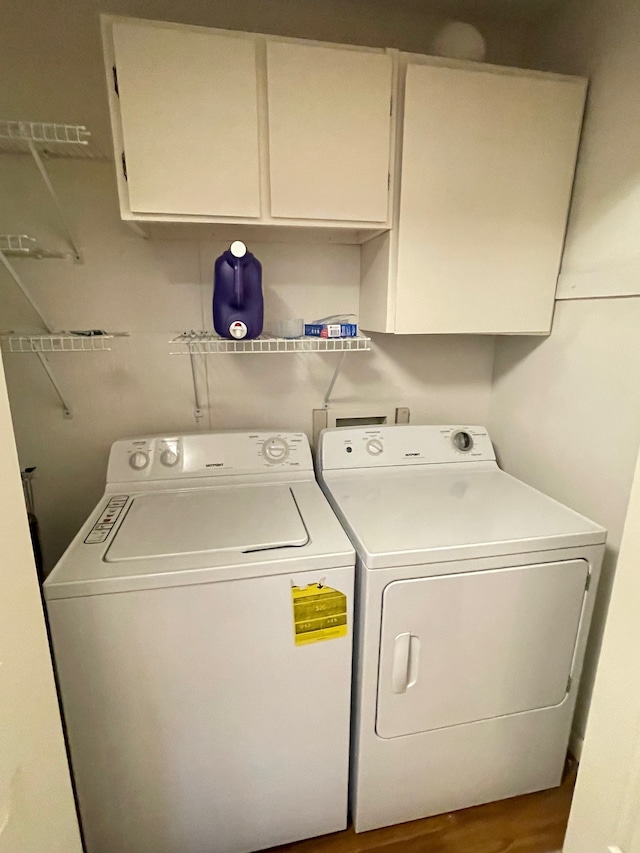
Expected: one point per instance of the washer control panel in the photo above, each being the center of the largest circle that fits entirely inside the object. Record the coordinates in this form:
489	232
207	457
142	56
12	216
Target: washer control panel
107	521
388	446
208	455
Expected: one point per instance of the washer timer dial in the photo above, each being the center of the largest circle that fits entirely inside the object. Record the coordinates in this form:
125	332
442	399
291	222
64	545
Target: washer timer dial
375	447
275	450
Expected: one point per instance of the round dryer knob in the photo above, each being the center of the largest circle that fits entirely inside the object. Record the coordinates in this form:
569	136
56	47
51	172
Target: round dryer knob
169	458
275	450
139	460
375	447
462	441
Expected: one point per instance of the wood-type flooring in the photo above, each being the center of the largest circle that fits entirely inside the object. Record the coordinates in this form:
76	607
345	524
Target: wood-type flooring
534	823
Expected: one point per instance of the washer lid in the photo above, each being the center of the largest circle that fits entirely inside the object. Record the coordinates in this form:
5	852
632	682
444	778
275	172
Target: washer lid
199	521
401	517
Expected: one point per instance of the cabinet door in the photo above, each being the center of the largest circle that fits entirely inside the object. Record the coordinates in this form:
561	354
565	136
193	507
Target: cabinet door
487	171
188	103
329	132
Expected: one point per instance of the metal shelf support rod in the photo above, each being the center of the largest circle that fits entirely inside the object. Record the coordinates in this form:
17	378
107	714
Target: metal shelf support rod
68	413
47	180
196	394
14	275
336	373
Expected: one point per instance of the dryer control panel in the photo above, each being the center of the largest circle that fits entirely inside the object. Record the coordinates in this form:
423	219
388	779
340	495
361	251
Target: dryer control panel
391	446
209	454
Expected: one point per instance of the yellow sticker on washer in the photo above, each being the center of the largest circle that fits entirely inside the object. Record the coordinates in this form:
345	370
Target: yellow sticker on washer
319	613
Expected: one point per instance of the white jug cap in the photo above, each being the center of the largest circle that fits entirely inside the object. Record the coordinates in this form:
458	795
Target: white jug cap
238	249
238	330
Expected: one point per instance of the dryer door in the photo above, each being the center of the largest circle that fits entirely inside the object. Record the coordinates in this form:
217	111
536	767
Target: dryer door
460	648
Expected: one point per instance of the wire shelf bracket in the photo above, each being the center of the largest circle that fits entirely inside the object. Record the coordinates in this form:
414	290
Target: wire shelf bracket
67	411
198	410
37	159
6	263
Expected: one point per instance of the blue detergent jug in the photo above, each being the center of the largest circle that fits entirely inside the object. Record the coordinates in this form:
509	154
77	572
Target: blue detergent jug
238	306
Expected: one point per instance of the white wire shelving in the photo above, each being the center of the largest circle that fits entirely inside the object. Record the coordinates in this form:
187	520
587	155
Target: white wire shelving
194	343
208	343
24	246
42	141
60	342
41	345
50	139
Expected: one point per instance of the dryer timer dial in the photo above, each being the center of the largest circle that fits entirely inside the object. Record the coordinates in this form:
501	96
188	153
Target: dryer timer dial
462	441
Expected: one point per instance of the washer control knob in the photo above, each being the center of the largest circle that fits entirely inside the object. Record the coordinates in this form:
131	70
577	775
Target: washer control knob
375	447
275	450
169	457
139	460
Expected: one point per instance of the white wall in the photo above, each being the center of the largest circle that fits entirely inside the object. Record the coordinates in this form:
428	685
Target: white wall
565	411
51	67
37	811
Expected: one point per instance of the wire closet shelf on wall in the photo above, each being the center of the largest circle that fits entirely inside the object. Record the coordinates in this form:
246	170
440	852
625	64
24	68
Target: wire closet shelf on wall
208	343
61	342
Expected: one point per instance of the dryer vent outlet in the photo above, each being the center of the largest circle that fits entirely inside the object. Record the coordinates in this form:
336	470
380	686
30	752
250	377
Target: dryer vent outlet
349	416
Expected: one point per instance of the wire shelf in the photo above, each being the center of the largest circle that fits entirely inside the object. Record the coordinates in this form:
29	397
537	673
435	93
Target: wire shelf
208	343
54	140
63	342
23	246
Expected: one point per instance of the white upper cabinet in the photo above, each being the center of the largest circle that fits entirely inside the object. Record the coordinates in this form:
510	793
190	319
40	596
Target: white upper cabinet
188	107
487	165
241	128
329	131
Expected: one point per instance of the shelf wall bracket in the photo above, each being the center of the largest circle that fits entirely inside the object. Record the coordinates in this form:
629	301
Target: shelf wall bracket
66	408
334	378
43	361
52	192
198	411
18	280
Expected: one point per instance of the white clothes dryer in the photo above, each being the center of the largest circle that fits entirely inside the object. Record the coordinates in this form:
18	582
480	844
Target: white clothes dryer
201	625
475	594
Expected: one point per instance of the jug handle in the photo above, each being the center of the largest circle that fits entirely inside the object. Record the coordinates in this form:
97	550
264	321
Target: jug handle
237	283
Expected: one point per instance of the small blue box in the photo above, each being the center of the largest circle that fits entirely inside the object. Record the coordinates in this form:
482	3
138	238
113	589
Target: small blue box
331	330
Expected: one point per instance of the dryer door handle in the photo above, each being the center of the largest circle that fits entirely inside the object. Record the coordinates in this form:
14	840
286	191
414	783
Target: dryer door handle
404	670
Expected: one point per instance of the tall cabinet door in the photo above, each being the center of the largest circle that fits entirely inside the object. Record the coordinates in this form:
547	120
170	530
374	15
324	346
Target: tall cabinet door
487	171
189	108
329	132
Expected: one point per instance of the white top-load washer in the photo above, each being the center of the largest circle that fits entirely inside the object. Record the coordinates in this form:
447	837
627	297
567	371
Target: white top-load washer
201	625
475	593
